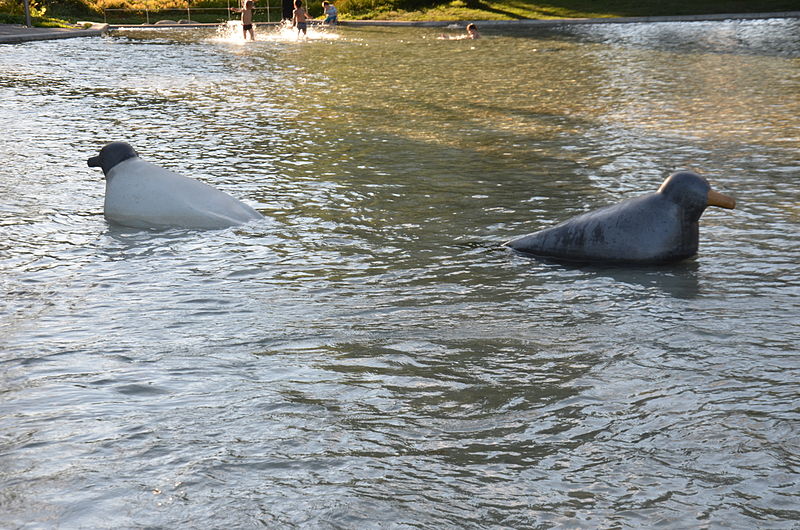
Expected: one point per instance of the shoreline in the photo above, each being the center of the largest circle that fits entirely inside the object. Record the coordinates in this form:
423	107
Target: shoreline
12	34
570	21
493	23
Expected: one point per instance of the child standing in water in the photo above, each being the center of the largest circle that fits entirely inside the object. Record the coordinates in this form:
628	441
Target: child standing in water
247	19
300	17
332	16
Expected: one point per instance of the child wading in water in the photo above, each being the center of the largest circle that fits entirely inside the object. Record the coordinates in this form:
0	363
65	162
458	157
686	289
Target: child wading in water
332	16
247	19
300	17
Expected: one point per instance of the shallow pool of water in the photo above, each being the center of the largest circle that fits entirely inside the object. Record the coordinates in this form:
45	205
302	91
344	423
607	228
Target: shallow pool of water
368	355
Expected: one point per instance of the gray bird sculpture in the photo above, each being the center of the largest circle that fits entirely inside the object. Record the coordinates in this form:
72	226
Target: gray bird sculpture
661	227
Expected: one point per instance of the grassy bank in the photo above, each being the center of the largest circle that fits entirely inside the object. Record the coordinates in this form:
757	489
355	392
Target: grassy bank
552	9
54	12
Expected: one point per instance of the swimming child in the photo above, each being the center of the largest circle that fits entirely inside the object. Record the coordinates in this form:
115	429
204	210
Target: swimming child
300	17
472	33
331	12
247	19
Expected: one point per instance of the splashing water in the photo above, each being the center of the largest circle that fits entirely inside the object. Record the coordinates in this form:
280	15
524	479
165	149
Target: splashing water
231	33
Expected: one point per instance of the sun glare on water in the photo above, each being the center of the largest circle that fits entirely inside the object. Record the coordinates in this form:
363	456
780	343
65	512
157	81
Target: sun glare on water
231	33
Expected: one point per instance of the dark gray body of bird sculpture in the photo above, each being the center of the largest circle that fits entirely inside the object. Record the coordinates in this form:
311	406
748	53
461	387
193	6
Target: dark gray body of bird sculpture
661	227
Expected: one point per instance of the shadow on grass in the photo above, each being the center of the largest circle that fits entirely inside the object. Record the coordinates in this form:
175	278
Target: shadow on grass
477	4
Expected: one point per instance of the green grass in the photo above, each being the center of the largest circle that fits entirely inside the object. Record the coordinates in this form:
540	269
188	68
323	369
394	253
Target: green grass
39	22
65	11
532	9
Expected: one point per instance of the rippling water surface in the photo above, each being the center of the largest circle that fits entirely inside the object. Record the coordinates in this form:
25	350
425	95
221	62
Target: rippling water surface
368	356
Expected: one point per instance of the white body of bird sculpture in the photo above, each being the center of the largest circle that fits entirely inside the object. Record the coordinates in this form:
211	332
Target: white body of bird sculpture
143	195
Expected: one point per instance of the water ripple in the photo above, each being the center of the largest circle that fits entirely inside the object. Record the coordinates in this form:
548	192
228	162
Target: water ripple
368	355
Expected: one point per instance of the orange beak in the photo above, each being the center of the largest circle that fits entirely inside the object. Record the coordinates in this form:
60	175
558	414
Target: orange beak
716	198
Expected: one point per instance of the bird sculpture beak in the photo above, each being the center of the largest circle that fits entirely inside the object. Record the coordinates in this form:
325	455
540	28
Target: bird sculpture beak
716	198
95	162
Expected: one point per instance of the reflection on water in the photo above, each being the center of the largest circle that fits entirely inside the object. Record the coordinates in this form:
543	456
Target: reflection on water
367	354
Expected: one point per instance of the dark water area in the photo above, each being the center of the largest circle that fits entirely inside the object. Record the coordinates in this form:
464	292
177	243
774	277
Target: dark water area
369	355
